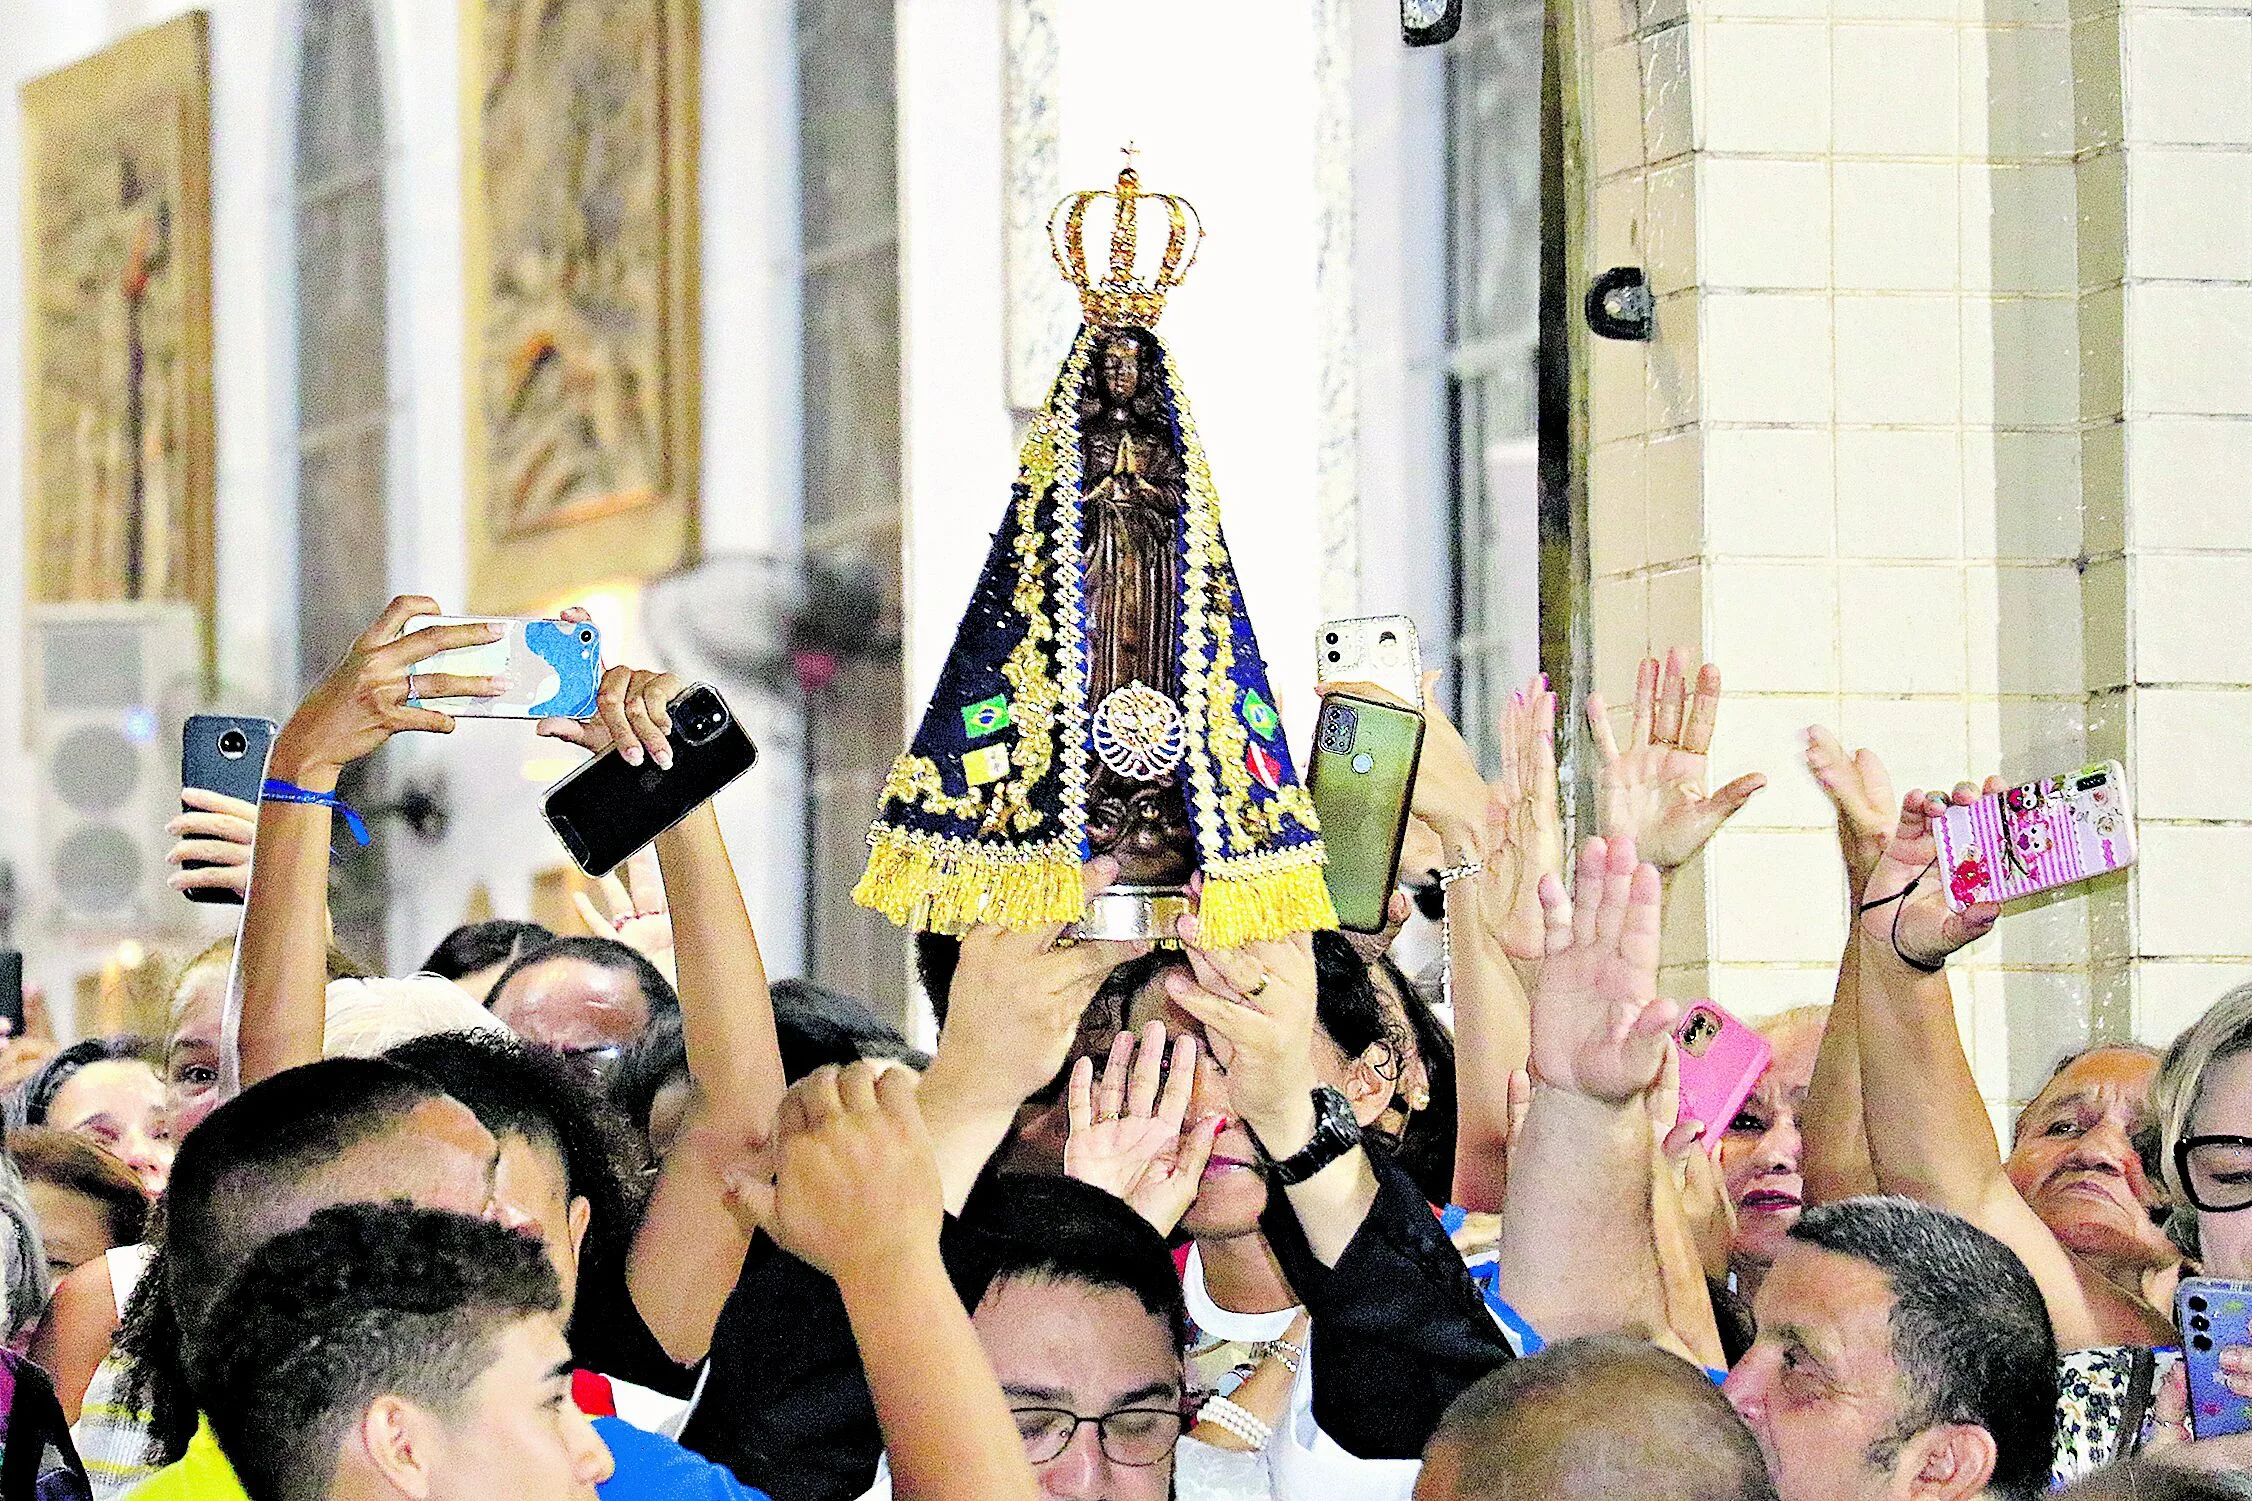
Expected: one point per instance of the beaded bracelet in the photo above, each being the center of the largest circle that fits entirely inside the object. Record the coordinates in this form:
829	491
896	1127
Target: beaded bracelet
1238	1420
1447	878
1283	1350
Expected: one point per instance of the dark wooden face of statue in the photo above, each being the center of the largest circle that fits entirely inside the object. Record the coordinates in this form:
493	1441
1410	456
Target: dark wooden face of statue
1133	489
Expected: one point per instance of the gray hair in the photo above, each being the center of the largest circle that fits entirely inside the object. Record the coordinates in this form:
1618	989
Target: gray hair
24	1281
2223	1032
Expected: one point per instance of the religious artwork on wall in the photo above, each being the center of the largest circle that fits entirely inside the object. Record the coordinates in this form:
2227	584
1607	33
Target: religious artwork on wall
117	346
580	224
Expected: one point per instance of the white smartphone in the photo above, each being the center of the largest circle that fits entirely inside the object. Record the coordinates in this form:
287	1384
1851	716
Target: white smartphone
1379	649
552	668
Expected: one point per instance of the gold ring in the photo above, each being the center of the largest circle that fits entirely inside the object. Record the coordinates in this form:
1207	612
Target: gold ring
1259	989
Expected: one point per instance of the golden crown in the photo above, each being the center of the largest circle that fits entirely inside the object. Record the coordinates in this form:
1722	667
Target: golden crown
1121	297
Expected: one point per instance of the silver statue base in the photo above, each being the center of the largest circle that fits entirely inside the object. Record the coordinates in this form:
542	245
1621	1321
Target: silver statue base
1128	912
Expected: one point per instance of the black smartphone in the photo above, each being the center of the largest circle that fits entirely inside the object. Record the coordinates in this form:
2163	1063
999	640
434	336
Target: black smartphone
606	810
11	990
223	753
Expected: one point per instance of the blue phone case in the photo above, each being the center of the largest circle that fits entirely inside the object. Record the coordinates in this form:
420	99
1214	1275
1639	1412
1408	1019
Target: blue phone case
2214	1315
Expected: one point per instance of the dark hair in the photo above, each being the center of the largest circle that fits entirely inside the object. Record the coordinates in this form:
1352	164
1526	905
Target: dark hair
230	1188
1617	1414
1970	1332
481	945
937	956
1023	1225
366	1300
520	1088
78	1166
36	1095
1425	1146
604	953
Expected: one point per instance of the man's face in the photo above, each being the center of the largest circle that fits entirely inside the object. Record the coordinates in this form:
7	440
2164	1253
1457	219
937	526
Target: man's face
574	1006
1820	1390
533	1191
2075	1164
1091	1352
517	1435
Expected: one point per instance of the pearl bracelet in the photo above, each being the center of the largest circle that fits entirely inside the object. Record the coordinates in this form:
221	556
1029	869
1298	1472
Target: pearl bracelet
1238	1420
1284	1351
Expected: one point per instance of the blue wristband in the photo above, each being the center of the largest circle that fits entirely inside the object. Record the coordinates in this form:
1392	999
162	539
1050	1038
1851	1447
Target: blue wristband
277	791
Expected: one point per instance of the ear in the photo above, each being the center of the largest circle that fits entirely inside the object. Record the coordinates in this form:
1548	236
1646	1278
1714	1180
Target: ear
582	1215
1949	1463
401	1443
1366	1088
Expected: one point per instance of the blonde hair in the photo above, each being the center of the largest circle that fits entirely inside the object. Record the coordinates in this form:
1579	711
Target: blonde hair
367	1018
2223	1032
1772	1027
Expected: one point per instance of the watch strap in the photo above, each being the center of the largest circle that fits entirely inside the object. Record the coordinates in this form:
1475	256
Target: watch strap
1336	1132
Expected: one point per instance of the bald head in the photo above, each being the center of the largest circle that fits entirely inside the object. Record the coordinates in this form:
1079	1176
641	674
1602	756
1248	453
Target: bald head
1595	1419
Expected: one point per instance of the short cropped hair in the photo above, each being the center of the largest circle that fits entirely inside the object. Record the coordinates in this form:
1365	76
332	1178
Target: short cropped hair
603	953
365	1300
481	945
1061	1230
1970	1332
1604	1415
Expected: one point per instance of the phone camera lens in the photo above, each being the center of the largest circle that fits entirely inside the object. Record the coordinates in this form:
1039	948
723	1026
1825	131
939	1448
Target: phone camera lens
1389	638
2201	1343
2197	1303
1333	656
586	636
2200	1321
234	744
1331	639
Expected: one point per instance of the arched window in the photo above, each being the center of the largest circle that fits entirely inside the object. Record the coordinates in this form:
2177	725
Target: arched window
342	391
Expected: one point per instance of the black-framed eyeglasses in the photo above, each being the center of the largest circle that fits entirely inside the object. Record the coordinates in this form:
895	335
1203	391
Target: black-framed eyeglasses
1132	1436
2216	1172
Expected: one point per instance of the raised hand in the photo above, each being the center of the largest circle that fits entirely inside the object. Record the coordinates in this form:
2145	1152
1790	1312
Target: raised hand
1524	825
630	712
1599	1029
1653	792
633	911
856	1182
1126	1134
215	828
1904	908
365	699
1257	1006
1861	792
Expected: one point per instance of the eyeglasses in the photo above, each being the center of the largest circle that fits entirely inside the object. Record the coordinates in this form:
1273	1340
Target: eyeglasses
2216	1172
1132	1436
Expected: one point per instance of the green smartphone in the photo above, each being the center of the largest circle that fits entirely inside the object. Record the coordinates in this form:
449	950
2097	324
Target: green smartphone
1363	779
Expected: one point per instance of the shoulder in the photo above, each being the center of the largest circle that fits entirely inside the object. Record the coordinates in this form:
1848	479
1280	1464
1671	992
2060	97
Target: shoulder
651	1465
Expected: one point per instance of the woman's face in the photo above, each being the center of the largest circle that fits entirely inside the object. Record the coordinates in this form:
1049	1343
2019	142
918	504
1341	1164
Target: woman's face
73	1227
2224	1108
191	1058
1760	1151
2074	1161
118	1105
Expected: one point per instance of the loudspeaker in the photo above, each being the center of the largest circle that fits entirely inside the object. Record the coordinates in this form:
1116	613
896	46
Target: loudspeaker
110	687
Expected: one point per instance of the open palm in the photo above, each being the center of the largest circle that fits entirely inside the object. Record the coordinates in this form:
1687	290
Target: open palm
1598	1027
1126	1135
1653	790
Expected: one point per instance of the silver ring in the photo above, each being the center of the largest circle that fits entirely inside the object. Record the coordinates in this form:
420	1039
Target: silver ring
410	688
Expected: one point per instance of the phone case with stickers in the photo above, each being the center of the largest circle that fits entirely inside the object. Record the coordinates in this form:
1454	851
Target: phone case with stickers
1379	649
2038	837
553	668
1721	1059
2213	1315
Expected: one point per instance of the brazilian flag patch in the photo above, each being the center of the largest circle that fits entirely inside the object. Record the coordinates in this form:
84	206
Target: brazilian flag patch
1259	715
989	717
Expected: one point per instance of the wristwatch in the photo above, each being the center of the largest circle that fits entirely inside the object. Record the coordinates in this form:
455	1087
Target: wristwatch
1336	1132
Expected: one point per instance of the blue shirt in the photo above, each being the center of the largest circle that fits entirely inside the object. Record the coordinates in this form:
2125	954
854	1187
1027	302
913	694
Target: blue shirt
651	1467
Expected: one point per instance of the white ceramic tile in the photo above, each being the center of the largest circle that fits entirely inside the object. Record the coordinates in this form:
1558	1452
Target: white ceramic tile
2192	618
1896	226
2096	73
2018	227
1619	610
1669	224
1609	22
1662	13
2021	358
1617	221
2048	1019
1683	939
1766	358
2103	354
1900	493
1761	10
2190	215
1902	628
2178	870
1898	360
1766	733
1617	123
1665	95
2177	470
2038	632
1772	625
1618	380
1896	92
2099	193
1675	507
2021	494
2017	91
1775	896
1764	223
1764	87
1615	490
1755	991
2103	487
1897	10
2170	997
1674	362
2038	737
2103	610
1677	607
1768	491
1922	742
2189	349
2188	78
2192	758
2051	929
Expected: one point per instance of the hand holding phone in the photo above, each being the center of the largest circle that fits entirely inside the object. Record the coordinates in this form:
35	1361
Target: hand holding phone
223	756
2046	834
547	668
611	806
1721	1061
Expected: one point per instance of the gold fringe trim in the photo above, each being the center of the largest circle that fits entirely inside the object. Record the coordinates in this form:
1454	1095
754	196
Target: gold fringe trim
1271	904
951	886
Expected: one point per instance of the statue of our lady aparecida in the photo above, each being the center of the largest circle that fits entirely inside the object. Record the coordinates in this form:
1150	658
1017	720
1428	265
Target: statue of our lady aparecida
1104	694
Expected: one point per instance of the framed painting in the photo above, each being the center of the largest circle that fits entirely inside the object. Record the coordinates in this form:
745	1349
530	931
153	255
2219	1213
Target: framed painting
580	229
117	324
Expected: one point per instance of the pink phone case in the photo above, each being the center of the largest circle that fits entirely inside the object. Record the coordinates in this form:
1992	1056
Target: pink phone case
2038	837
1721	1059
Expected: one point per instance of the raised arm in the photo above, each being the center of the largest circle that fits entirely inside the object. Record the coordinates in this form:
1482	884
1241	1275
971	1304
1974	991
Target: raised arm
1835	1155
857	1194
1653	790
361	703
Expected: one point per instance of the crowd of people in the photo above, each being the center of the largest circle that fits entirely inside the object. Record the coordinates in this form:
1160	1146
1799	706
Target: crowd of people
616	1215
